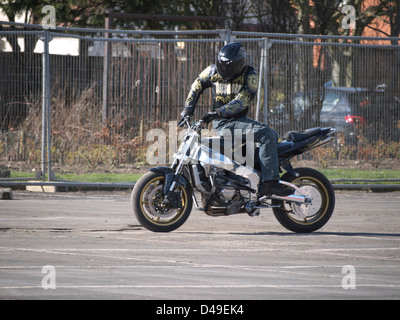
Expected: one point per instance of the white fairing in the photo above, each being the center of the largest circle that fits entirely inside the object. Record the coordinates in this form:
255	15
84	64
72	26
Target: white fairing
211	157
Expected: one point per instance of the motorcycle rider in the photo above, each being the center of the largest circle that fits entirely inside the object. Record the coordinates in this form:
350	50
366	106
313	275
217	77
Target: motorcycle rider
234	86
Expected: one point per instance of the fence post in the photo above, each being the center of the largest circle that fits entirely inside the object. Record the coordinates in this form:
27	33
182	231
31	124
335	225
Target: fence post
106	71
226	35
260	78
46	108
263	75
267	46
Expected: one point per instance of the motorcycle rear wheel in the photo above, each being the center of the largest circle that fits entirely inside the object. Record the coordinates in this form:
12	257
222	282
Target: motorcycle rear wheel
147	197
302	218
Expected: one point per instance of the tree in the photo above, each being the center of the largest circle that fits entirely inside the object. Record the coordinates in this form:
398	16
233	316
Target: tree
389	14
275	16
237	12
68	13
324	17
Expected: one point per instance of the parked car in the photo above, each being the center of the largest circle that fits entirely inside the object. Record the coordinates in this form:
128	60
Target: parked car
302	117
345	109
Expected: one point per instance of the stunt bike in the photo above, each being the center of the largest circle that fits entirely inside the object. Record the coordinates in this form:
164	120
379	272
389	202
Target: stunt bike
203	173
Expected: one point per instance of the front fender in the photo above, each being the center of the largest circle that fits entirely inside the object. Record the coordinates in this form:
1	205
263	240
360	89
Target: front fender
164	170
183	181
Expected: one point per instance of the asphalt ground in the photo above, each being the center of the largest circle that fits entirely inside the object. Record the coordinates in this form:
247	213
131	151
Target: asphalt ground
89	246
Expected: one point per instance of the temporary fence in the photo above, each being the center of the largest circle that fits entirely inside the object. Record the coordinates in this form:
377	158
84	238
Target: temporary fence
79	104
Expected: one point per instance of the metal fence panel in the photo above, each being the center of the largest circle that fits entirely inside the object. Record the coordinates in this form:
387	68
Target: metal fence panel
107	89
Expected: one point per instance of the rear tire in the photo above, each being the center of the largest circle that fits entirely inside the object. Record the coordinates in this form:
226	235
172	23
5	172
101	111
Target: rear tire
147	196
300	218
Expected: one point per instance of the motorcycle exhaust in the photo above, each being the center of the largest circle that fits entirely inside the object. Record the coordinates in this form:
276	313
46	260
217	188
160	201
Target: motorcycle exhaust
299	199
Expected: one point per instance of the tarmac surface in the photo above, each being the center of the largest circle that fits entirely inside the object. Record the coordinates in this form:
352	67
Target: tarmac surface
89	246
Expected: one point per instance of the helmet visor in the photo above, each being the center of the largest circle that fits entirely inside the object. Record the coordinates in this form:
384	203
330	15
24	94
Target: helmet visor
229	69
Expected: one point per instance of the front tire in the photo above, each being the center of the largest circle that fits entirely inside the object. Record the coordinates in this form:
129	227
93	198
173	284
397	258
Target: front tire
147	196
302	218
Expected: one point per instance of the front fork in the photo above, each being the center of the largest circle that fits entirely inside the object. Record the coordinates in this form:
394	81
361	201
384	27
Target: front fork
172	179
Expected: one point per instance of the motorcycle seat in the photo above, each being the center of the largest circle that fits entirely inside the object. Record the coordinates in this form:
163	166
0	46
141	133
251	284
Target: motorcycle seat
301	135
284	145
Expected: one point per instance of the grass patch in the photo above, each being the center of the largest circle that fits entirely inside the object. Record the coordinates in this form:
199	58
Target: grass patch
133	177
100	177
22	174
85	177
361	174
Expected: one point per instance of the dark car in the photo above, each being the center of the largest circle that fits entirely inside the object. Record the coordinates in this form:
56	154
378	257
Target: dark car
345	109
302	117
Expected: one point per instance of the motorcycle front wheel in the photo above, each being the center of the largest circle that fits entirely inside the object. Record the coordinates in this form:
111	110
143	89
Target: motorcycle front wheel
302	218
147	203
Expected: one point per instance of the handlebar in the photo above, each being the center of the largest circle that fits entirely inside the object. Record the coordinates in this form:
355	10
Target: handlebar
185	122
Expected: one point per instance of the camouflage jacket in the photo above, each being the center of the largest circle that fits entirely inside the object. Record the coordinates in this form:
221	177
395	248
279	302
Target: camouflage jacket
232	99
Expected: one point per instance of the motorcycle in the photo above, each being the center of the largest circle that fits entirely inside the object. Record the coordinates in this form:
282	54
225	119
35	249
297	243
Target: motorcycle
204	175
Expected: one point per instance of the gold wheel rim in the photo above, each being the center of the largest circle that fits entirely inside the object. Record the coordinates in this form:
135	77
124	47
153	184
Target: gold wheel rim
150	201
324	199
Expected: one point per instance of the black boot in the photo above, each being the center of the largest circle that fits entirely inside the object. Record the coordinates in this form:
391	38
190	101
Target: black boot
269	188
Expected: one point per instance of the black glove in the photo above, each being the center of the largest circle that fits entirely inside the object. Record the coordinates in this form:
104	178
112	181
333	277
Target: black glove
208	117
185	113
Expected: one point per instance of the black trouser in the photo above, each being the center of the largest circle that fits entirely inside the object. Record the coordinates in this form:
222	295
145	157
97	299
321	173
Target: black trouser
264	135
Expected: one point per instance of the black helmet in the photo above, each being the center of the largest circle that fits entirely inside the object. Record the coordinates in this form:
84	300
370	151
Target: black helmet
231	60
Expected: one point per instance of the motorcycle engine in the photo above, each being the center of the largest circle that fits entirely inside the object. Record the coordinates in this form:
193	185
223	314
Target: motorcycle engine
228	196
228	193
227	190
